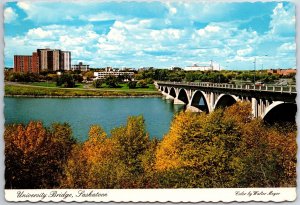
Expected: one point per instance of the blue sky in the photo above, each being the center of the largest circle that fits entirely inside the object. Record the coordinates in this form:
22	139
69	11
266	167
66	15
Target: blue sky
158	34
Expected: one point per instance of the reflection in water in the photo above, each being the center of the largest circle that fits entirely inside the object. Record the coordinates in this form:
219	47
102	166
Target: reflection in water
174	108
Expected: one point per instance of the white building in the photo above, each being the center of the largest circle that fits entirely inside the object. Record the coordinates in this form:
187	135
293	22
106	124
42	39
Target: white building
104	74
80	66
196	67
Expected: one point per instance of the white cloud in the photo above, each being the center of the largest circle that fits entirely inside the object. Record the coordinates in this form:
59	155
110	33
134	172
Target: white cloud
104	16
137	41
79	40
24	5
283	20
9	15
287	47
245	52
50	12
39	33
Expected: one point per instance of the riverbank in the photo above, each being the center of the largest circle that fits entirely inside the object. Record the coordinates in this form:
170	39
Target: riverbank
19	90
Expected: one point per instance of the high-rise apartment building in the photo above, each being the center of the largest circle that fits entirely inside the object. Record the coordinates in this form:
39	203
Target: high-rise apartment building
56	60
22	63
43	60
35	65
65	60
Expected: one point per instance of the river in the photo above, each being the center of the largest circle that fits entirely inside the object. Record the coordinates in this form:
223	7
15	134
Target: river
81	113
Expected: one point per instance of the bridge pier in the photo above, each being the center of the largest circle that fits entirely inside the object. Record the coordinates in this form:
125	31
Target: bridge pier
178	102
192	108
254	107
167	96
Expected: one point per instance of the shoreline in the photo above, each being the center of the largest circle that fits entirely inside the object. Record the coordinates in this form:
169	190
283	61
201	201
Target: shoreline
95	96
26	91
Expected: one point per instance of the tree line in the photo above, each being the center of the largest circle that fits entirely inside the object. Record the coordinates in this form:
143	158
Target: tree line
223	76
224	149
144	77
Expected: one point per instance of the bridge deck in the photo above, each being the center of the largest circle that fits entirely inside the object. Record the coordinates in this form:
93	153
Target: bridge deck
274	89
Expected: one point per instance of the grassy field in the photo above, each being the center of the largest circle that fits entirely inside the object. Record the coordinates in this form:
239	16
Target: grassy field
33	90
51	84
124	86
121	86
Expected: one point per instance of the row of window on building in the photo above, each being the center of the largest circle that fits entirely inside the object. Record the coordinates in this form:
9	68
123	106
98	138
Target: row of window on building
46	60
104	74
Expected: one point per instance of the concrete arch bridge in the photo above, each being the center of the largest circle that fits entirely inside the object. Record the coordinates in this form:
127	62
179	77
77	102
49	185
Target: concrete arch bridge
271	103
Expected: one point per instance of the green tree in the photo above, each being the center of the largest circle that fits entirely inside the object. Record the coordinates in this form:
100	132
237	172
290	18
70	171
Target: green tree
142	84
111	81
65	80
97	83
132	142
132	84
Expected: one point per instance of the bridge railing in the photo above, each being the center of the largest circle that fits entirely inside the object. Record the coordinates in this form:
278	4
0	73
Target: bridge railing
269	88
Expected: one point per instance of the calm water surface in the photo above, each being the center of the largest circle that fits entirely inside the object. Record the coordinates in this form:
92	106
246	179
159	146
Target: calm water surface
80	113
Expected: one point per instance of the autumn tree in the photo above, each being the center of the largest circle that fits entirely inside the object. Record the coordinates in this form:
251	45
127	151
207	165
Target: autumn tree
123	160
93	164
133	147
226	148
34	155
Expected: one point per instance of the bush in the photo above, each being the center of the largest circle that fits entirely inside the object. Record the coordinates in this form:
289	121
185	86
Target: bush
97	83
65	80
149	81
24	77
111	81
132	84
78	78
142	84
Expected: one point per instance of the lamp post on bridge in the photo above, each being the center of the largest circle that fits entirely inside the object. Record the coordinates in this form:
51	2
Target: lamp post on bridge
219	74
254	64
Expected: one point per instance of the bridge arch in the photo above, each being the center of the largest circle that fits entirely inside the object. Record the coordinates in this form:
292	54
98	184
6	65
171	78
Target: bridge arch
225	100
183	96
280	111
166	90
199	101
172	92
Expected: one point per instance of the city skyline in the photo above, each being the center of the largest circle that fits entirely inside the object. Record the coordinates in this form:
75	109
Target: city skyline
158	34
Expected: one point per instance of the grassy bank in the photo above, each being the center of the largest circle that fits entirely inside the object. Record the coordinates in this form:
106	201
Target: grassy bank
121	86
17	90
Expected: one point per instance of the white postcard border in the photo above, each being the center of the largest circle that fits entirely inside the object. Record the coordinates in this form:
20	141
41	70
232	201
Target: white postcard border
225	195
153	195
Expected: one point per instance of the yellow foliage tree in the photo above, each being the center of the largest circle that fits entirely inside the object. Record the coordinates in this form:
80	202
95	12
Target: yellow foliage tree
34	156
226	148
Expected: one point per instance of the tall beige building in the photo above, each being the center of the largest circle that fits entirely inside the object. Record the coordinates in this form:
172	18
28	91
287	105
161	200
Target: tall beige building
54	59
43	58
65	60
